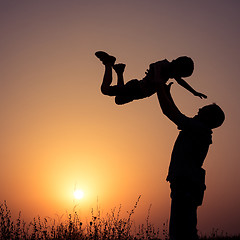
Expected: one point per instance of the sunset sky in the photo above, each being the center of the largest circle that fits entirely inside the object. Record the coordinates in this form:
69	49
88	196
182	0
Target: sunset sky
58	132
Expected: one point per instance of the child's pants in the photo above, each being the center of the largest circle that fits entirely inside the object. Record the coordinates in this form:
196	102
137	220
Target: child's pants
133	90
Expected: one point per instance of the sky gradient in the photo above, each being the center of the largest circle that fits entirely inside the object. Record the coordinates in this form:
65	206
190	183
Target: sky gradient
58	132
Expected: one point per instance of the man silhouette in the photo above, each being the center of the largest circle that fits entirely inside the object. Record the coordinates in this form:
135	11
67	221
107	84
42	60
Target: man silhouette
186	175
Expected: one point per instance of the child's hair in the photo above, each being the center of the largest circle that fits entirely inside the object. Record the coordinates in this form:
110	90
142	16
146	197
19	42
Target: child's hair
183	66
214	115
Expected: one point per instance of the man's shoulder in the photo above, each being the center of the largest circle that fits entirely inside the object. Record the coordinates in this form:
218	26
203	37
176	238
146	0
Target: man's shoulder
183	122
193	124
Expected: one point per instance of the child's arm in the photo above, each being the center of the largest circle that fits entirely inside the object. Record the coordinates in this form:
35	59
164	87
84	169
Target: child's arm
184	84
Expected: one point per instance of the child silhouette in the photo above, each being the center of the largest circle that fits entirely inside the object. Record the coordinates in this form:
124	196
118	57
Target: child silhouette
139	89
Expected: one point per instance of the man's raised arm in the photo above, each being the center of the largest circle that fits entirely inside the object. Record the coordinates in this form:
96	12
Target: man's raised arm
165	99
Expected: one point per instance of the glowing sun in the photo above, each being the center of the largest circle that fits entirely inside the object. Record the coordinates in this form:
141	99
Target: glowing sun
78	194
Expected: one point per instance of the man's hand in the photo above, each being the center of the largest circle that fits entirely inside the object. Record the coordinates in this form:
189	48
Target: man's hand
168	87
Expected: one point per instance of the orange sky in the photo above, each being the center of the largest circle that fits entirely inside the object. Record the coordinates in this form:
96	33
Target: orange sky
59	132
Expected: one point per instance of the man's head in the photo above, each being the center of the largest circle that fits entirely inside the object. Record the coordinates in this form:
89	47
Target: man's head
181	67
212	115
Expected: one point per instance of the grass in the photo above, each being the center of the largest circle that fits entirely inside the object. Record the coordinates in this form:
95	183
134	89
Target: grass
112	226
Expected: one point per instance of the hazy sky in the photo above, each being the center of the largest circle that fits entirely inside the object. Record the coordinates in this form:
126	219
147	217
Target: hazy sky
58	132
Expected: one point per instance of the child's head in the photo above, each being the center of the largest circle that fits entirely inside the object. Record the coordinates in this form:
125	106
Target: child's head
212	115
182	67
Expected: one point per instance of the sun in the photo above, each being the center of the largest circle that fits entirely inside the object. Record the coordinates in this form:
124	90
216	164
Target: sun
78	194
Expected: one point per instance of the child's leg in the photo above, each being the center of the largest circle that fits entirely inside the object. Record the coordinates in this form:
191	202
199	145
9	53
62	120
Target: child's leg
123	93
108	61
107	80
119	69
133	89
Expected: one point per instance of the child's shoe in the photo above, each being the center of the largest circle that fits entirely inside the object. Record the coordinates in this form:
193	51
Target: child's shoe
105	58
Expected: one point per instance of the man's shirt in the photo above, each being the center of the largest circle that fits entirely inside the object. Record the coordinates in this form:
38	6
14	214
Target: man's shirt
190	148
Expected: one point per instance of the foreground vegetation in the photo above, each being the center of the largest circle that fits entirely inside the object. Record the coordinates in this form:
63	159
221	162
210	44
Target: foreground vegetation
110	227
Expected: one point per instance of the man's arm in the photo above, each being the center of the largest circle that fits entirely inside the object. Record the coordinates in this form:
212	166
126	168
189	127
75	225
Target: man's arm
165	99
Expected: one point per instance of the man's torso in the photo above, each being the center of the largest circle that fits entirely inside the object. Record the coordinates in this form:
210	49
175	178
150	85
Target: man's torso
190	149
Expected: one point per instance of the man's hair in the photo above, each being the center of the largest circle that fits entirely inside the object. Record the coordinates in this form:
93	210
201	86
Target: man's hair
184	66
215	115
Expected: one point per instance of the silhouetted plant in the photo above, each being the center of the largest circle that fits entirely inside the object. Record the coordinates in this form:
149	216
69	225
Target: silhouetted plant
112	226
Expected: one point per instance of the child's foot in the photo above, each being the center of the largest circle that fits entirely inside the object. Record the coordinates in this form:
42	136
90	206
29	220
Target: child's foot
105	58
119	68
